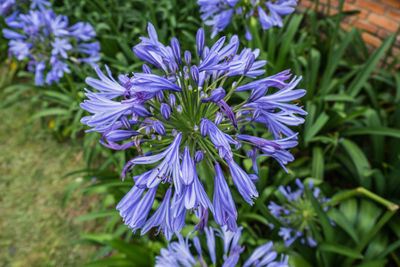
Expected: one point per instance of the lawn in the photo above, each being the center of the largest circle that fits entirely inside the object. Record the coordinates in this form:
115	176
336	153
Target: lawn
35	229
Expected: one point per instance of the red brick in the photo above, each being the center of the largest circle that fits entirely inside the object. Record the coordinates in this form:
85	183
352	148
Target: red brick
334	3
394	14
393	3
383	22
346	26
383	34
378	8
365	26
371	39
305	3
362	12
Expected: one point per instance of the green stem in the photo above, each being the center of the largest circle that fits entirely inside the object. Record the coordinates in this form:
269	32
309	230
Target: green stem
365	192
254	32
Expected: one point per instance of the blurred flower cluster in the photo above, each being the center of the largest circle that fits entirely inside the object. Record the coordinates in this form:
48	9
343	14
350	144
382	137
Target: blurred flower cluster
187	117
180	253
18	6
220	13
297	214
48	43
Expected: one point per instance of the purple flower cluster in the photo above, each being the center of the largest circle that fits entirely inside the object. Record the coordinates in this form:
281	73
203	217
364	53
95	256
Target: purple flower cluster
180	253
296	214
49	43
178	116
219	13
11	6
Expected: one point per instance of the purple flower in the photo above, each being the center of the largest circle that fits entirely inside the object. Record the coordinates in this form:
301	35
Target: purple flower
20	49
165	111
108	87
134	208
41	4
220	139
106	112
179	253
224	206
296	214
276	148
34	32
60	46
264	256
243	182
220	13
5	6
216	95
168	168
39	68
183	116
162	217
82	31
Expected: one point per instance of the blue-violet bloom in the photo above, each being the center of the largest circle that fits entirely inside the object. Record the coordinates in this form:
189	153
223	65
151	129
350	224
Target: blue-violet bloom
180	119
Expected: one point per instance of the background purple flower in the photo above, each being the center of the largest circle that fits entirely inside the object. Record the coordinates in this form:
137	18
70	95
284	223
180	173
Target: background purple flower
45	39
186	253
220	13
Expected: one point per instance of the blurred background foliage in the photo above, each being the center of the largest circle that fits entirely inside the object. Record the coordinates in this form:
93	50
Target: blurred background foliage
349	145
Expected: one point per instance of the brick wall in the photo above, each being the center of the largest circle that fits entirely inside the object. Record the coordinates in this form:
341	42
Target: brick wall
377	18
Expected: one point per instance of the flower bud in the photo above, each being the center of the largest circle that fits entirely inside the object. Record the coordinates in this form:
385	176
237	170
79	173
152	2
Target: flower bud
176	50
165	111
218	118
198	156
172	100
188	57
146	69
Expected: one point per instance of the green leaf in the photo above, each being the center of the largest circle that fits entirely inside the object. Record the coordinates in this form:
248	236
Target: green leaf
256	217
359	81
323	218
367	216
389	249
341	250
373	131
373	263
140	255
316	127
359	160
344	223
318	163
50	112
339	98
96	215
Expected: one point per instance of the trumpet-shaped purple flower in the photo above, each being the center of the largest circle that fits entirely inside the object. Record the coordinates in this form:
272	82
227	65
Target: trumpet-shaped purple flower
296	214
243	182
186	253
220	13
45	39
224	206
183	117
162	217
276	148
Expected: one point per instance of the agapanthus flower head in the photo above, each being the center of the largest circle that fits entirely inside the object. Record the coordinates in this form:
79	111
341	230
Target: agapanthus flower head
47	42
296	213
186	252
220	13
182	118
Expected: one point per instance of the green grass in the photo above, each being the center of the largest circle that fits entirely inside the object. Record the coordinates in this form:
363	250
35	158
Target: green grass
34	229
